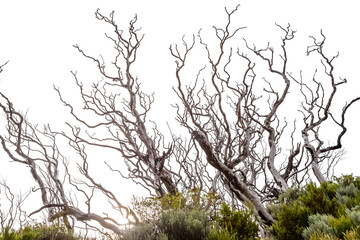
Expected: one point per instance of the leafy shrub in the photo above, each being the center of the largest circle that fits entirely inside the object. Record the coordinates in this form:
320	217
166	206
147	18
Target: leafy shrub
238	223
149	209
332	226
178	224
350	235
319	225
325	212
39	232
321	199
191	200
8	234
217	233
354	215
318	235
174	216
177	201
291	218
341	225
142	231
346	180
348	192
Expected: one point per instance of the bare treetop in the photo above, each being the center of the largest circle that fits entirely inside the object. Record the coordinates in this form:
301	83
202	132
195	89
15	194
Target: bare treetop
231	113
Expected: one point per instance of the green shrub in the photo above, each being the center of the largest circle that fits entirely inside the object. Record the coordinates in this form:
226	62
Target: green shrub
39	232
341	225
8	234
241	224
217	233
329	210
346	180
354	215
333	226
174	216
147	209
322	199
350	235
348	195
319	225
318	235
292	218
144	231
178	224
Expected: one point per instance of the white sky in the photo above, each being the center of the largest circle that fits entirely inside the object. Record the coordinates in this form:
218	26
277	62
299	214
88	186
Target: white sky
37	37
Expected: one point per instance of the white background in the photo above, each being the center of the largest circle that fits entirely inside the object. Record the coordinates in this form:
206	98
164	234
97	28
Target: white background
37	38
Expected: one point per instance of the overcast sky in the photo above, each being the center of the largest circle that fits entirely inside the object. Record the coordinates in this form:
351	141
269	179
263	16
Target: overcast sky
37	38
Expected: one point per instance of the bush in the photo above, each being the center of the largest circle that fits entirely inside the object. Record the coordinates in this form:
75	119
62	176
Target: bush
142	231
149	209
240	224
333	226
39	232
321	199
318	235
348	192
174	216
325	212
319	225
178	224
217	233
291	218
350	235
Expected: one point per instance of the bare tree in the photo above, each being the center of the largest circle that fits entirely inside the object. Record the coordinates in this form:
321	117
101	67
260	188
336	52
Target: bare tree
12	213
38	150
121	109
234	131
239	136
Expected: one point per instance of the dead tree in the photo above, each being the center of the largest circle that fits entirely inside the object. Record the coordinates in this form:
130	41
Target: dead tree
231	126
121	109
12	212
39	151
224	113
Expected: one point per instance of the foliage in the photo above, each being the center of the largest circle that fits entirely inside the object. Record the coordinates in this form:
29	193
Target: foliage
354	215
191	215
332	226
348	192
318	224
318	235
321	199
39	232
240	224
173	224
178	224
189	200
175	216
177	201
148	209
217	233
328	211
144	231
291	220
350	235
